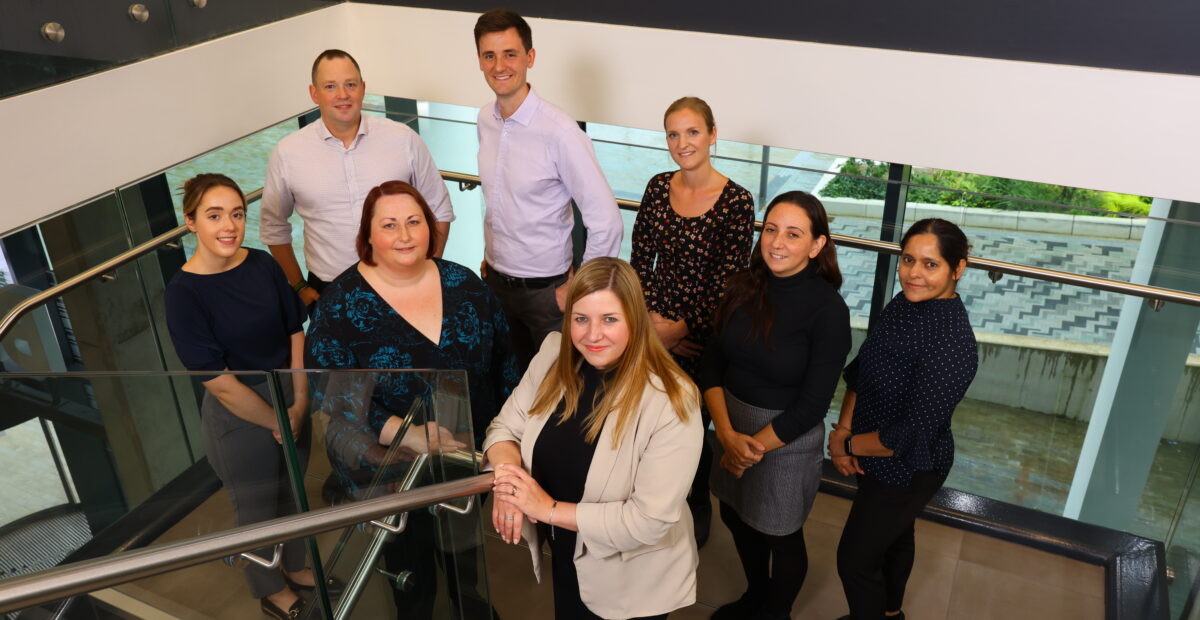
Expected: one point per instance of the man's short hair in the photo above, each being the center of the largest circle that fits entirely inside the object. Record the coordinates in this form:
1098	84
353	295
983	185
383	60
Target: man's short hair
499	20
330	55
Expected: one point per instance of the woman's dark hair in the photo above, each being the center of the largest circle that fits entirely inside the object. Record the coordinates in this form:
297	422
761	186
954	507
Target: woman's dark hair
391	188
196	187
749	286
952	242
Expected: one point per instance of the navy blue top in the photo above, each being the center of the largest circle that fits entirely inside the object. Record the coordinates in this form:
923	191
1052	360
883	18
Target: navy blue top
241	319
910	374
797	368
354	328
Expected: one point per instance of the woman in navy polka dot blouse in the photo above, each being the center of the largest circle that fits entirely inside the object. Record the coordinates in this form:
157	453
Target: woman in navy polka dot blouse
894	430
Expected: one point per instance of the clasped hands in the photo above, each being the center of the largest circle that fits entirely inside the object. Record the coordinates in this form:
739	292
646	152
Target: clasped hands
517	497
673	335
296	414
846	465
741	452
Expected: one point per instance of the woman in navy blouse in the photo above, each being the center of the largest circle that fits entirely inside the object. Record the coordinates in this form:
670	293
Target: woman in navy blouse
230	308
400	308
894	430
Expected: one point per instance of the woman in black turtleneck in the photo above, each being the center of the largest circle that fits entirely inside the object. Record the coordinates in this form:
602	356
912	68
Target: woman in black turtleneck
783	333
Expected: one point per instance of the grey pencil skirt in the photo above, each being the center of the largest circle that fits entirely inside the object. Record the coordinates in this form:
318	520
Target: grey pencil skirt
774	496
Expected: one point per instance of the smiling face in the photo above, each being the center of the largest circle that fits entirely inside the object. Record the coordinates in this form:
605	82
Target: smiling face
219	222
599	328
787	243
399	234
688	138
338	90
504	61
924	273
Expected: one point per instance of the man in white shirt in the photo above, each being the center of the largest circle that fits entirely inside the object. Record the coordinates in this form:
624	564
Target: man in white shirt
533	161
325	170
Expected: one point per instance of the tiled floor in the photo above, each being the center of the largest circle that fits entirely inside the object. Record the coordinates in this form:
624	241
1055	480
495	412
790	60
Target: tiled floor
957	576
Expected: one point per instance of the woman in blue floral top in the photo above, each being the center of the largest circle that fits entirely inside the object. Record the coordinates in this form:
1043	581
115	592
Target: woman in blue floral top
400	308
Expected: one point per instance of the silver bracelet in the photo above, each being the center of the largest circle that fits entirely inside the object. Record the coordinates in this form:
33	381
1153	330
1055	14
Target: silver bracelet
550	518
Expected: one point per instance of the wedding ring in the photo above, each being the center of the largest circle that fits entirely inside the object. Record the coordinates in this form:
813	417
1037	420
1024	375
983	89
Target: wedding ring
508	518
514	490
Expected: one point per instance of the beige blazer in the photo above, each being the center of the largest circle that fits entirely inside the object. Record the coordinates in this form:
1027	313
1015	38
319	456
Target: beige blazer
635	553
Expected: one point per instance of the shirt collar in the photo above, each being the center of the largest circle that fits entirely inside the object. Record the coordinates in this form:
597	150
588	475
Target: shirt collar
323	130
525	112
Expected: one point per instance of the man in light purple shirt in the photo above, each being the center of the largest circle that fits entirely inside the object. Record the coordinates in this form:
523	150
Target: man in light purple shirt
533	161
325	170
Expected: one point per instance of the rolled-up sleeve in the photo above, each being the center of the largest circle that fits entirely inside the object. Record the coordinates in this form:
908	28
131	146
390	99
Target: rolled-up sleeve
277	203
428	180
664	473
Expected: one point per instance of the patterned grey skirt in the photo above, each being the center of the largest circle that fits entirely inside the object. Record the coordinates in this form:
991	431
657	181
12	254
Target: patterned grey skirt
774	496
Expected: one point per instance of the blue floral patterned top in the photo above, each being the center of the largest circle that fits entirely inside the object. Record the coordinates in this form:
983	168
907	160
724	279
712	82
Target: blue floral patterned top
354	328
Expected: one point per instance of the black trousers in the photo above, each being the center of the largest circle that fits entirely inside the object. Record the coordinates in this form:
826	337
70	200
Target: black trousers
775	566
532	314
567	603
875	554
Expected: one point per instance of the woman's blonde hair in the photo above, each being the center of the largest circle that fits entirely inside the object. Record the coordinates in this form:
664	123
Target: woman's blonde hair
644	357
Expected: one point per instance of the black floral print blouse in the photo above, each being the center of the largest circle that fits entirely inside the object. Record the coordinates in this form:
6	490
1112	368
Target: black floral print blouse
683	262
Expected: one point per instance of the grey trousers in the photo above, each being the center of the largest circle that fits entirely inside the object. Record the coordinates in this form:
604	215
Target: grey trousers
532	314
251	467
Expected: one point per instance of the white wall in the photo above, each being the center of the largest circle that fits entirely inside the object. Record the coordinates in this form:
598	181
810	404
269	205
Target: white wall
70	142
1104	129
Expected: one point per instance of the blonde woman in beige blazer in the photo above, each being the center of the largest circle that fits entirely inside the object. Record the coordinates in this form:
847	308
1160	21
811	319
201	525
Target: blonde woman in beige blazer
594	454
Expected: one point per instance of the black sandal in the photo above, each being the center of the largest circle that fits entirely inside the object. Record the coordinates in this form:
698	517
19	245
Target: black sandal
333	586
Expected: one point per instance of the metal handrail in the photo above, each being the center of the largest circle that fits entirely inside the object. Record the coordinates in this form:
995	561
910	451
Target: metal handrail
88	576
1153	293
29	303
1156	295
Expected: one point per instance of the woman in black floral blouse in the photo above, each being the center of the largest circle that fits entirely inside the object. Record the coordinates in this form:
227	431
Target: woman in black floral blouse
694	229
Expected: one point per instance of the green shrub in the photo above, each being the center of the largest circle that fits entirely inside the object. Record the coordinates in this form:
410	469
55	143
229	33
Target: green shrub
962	189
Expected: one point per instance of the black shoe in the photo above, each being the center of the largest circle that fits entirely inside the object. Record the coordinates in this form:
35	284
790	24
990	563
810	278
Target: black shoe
740	609
333	586
702	521
273	610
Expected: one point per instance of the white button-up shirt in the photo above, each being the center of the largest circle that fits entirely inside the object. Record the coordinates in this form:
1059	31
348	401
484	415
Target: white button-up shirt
314	174
531	165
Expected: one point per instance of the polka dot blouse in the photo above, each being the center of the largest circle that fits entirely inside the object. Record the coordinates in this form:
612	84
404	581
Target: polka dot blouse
910	374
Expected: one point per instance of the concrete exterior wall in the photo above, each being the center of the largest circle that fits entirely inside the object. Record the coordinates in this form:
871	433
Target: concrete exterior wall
972	217
1058	378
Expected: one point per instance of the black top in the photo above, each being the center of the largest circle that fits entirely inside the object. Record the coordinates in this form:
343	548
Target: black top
910	374
241	319
797	368
562	457
353	327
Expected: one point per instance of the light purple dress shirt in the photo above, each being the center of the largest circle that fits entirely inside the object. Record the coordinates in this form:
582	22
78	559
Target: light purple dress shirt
531	165
312	173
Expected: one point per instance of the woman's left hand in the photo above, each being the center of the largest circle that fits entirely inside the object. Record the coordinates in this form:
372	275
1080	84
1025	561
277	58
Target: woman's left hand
515	487
730	464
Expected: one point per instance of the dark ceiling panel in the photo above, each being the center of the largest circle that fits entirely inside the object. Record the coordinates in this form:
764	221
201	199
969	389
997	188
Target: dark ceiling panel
1142	35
